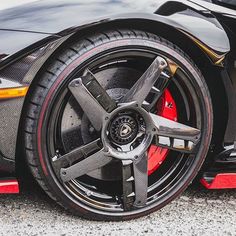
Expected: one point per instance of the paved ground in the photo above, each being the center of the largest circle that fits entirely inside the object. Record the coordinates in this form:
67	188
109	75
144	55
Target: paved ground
197	212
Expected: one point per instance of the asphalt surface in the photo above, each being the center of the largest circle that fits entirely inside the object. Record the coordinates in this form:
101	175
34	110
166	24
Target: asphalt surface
196	212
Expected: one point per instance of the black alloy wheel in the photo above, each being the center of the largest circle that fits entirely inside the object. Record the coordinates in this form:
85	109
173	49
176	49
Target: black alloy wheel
92	116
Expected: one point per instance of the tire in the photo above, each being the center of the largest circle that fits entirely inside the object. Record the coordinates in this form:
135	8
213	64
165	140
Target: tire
51	115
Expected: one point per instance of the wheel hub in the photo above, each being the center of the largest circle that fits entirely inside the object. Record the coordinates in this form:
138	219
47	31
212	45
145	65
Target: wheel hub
124	129
125	136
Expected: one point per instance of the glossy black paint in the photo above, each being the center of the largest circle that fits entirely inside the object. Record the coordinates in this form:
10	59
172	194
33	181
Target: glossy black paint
45	26
229	74
62	17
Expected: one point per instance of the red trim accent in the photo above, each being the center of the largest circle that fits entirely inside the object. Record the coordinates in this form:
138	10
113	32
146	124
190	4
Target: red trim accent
9	186
221	181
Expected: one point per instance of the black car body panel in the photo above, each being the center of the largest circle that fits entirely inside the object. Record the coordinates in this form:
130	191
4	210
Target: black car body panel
31	33
61	17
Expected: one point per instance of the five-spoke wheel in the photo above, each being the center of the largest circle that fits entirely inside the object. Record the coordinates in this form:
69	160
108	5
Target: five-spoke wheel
101	115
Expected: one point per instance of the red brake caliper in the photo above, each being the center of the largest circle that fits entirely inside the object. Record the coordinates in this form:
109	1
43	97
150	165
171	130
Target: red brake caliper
166	107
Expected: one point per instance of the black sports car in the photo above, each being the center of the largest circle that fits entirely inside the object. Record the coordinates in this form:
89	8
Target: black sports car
117	105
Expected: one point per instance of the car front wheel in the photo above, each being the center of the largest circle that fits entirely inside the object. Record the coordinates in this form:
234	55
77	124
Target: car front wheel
118	125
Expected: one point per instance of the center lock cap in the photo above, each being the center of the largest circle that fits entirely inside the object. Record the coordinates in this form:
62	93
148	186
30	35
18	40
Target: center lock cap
123	129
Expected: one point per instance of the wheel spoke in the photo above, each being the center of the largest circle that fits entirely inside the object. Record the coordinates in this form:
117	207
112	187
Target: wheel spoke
144	85
75	155
128	191
141	180
135	183
90	163
159	89
162	83
92	98
174	135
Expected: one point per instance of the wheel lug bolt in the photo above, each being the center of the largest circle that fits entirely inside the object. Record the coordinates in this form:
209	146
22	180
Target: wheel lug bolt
91	129
163	63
